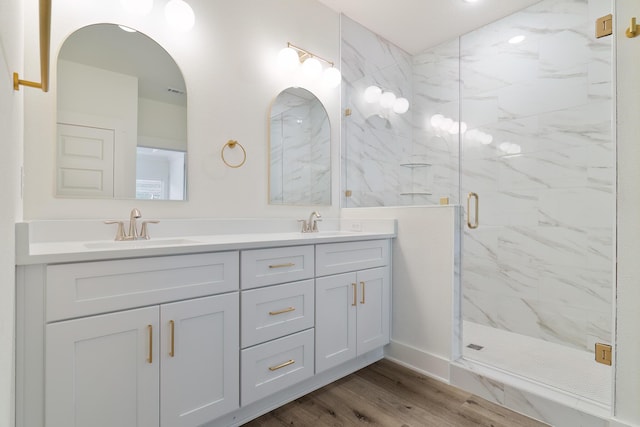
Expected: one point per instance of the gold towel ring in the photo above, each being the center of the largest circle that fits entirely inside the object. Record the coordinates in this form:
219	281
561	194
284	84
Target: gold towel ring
232	144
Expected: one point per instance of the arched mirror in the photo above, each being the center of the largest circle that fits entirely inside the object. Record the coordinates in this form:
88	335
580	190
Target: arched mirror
300	150
121	117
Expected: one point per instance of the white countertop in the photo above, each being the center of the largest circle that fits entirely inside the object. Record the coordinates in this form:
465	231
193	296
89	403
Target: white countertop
61	241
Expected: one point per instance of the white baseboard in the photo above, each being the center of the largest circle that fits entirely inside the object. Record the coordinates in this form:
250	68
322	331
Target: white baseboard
418	360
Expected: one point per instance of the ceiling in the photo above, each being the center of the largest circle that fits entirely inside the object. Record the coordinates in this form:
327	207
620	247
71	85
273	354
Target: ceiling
415	25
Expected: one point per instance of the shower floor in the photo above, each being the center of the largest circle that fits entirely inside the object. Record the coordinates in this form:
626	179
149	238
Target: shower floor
567	369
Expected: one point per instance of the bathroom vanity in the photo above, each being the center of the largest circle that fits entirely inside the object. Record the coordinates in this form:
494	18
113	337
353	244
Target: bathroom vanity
210	329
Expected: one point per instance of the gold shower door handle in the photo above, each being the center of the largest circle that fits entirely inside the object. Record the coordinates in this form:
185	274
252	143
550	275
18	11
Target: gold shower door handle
475	223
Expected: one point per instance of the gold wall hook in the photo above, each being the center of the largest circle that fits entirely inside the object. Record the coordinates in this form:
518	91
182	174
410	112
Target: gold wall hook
232	144
632	31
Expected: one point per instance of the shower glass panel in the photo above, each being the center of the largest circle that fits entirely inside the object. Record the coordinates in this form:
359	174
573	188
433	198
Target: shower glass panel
537	272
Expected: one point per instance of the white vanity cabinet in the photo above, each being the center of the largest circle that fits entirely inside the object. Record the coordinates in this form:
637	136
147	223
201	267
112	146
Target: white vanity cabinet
108	363
211	338
352	308
277	320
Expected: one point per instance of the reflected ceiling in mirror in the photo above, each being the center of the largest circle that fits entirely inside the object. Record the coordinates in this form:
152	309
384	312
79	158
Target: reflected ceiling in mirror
300	150
121	117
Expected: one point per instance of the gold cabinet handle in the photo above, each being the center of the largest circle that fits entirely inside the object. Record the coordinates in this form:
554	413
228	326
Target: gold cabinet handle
355	294
289	264
362	300
475	223
284	310
172	327
150	356
282	365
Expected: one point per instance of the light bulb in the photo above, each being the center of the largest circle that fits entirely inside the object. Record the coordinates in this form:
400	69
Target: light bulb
127	29
372	94
454	129
446	124
137	7
179	15
288	59
312	68
401	105
436	120
332	77
387	99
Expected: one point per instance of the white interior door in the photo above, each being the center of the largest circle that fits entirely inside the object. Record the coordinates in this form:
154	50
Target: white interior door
84	161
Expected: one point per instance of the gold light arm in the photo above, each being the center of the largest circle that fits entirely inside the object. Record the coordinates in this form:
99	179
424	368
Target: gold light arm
45	44
304	53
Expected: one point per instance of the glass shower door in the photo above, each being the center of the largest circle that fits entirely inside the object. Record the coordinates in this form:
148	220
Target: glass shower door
538	171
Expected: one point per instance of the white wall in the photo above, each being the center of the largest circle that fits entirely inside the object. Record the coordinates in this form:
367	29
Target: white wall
228	62
11	136
628	290
424	298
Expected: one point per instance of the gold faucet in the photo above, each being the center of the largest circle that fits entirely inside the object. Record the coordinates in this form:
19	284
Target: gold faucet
311	226
133	227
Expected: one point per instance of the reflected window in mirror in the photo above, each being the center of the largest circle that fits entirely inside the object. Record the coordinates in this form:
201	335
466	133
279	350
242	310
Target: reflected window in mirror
300	150
121	117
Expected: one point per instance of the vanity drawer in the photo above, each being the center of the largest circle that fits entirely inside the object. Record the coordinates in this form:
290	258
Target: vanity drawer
335	258
276	365
81	289
261	267
275	311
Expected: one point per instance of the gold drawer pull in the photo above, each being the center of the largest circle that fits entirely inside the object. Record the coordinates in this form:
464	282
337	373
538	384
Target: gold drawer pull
362	284
289	264
150	357
282	365
172	349
355	294
286	310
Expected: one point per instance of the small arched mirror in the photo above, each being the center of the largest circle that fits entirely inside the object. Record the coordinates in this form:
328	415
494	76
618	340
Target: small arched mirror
121	117
300	150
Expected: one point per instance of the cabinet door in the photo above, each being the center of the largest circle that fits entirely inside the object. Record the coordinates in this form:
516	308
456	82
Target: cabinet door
102	371
200	366
373	309
336	307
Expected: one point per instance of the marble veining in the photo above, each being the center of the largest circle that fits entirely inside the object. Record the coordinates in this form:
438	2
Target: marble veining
538	149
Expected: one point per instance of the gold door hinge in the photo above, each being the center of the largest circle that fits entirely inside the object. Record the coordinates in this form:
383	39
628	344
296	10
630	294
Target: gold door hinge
604	26
604	353
348	193
347	112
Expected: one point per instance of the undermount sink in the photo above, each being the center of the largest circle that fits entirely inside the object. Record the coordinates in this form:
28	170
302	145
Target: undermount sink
336	233
133	244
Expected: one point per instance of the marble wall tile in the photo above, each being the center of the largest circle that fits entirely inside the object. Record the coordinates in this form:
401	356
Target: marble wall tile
541	263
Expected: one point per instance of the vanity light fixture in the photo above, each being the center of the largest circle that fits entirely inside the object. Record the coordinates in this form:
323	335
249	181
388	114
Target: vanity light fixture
292	56
387	99
45	53
179	15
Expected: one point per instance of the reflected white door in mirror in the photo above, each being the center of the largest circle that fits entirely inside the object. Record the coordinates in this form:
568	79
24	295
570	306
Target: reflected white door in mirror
121	117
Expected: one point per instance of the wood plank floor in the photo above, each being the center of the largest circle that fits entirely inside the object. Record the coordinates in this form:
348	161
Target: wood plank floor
388	395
